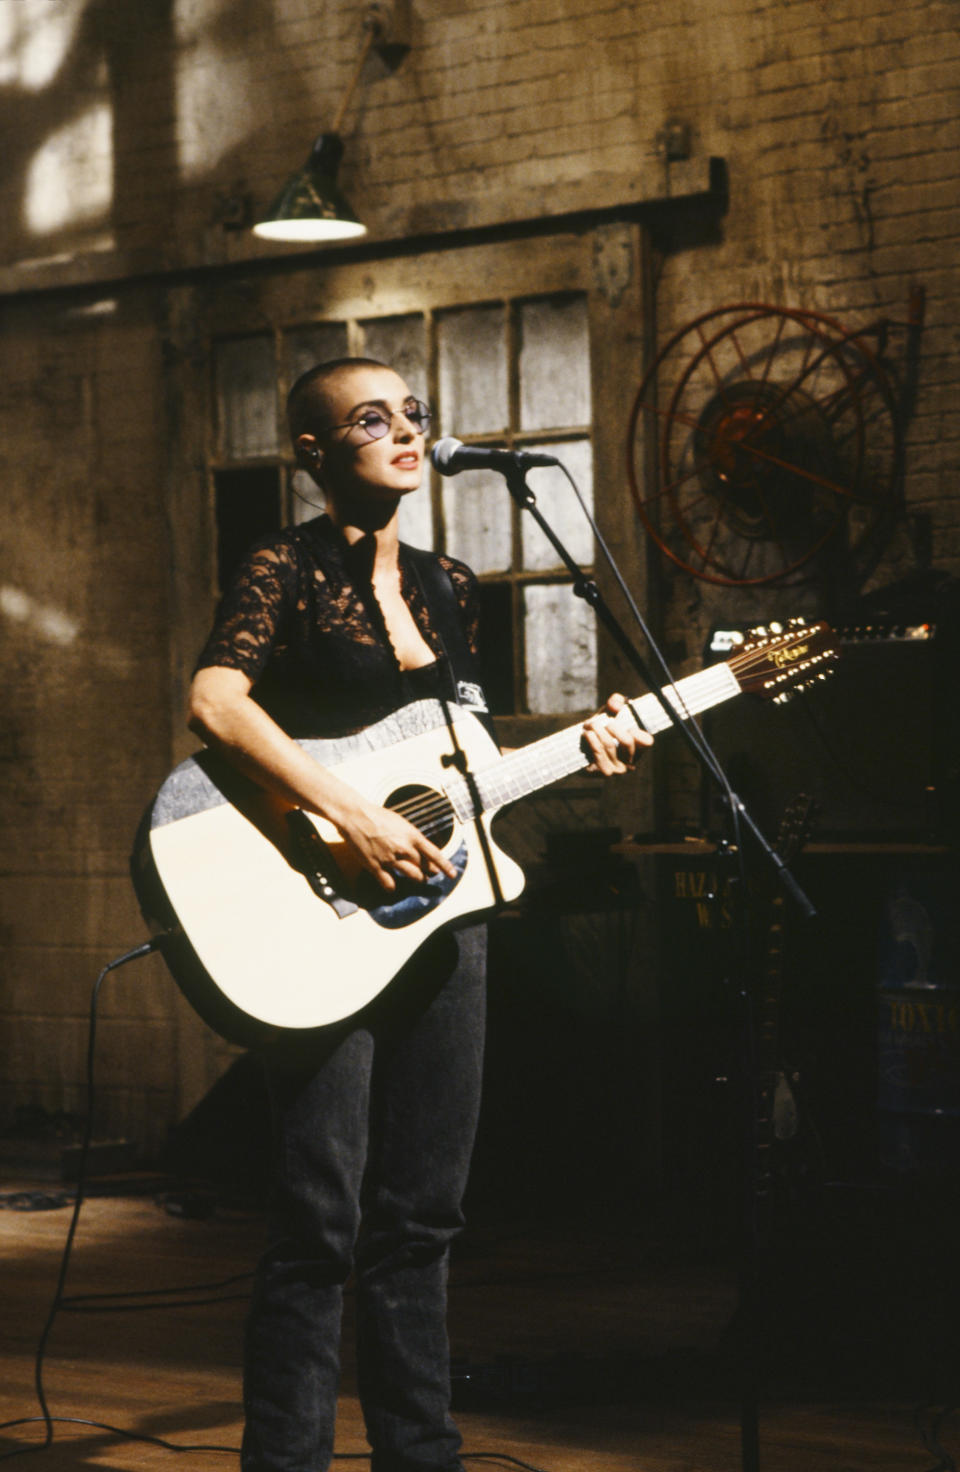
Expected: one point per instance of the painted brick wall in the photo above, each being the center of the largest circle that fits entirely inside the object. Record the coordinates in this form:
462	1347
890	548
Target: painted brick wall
132	128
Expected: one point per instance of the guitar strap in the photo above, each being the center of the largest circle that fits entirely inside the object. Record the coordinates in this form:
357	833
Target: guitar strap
446	615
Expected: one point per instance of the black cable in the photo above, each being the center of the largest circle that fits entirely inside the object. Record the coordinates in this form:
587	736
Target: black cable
317	505
689	728
170	1446
696	736
79	1298
931	1434
232	1451
67	1305
499	1457
108	1302
132	955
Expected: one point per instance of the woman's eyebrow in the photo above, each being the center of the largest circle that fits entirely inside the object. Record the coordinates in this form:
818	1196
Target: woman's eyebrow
379	404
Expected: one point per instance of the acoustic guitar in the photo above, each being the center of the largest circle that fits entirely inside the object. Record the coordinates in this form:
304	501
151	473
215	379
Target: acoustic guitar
266	918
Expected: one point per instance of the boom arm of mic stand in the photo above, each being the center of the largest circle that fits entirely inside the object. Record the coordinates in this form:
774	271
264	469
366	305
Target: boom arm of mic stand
586	588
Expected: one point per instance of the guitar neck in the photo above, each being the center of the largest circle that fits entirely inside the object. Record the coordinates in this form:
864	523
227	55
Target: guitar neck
543	762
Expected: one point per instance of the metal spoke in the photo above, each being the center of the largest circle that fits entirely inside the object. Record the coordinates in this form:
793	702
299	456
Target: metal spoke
763	441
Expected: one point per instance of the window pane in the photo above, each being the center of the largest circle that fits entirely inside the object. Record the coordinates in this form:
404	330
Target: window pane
473	371
246	378
560	507
306	497
554	363
476	514
247	506
561	644
401	343
496	647
318	342
415	523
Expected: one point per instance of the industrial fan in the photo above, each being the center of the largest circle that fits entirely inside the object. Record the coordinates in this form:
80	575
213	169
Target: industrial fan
761	437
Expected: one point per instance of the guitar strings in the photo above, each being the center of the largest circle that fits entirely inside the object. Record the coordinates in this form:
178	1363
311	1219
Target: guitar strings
431	813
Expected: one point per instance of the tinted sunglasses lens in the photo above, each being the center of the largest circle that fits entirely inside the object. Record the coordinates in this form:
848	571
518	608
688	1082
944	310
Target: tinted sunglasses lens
419	414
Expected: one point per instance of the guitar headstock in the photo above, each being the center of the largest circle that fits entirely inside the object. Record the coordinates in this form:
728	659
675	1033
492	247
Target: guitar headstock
795	826
779	660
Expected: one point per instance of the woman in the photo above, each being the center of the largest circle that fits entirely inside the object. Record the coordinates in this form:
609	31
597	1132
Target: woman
326	628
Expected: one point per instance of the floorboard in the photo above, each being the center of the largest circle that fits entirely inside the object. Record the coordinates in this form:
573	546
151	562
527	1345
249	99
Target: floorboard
576	1345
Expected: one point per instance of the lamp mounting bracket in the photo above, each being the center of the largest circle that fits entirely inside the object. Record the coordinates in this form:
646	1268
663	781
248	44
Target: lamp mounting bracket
391	22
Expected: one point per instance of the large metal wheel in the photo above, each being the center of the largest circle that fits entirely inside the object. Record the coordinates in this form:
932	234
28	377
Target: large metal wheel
780	434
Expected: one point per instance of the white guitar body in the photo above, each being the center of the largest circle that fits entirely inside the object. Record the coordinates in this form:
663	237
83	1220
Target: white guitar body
266	919
275	947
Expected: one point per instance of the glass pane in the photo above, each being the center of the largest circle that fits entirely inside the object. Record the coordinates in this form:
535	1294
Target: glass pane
496	646
476	515
560	507
246	379
247	506
306	497
561	645
554	363
317	342
473	371
401	343
415	522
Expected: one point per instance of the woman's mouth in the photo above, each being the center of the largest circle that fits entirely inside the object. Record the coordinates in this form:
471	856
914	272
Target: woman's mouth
406	462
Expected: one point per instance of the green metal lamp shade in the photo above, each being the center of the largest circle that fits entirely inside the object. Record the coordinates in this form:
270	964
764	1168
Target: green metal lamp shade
311	206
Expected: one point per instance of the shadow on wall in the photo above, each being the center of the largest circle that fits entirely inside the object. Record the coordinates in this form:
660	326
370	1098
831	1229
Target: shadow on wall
90	110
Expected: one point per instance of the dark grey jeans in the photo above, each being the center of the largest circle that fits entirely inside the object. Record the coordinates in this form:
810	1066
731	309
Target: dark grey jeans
374	1127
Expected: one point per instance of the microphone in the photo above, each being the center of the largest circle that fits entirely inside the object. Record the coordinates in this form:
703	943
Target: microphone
450	456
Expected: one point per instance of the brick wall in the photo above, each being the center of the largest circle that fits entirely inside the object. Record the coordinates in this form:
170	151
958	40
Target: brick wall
838	124
840	127
85	725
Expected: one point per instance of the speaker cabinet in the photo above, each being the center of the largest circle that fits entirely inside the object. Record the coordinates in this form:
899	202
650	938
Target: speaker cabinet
875	744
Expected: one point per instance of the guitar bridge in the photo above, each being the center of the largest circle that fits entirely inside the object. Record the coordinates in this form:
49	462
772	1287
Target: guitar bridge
313	860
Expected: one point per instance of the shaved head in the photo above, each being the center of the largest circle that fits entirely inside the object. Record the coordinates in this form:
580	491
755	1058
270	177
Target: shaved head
307	404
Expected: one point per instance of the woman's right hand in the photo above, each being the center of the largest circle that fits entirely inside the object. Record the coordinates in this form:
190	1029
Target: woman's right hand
223	714
387	845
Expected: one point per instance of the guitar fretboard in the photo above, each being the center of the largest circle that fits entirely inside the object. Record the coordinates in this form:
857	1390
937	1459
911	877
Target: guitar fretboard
535	766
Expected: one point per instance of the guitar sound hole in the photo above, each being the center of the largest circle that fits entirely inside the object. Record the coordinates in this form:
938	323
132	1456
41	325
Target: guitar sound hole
425	809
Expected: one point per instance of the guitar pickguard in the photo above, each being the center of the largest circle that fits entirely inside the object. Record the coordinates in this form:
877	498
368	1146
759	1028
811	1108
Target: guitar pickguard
422	898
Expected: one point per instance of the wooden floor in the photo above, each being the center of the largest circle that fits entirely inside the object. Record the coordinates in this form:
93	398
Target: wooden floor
584	1345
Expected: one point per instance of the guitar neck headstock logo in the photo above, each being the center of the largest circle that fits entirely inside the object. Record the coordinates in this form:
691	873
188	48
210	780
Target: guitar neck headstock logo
789	654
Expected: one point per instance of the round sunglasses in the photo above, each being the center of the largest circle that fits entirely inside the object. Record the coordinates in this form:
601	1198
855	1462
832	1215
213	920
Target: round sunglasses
376	423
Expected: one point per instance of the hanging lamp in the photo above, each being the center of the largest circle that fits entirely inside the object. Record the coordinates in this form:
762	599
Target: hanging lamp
311	206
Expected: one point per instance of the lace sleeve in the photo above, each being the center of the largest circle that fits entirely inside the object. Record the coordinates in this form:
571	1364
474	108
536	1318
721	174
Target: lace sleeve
467	590
253	611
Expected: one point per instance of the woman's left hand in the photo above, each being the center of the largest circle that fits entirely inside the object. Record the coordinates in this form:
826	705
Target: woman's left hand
614	738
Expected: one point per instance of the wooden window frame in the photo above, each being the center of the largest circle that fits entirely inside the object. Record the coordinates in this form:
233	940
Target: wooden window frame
608	265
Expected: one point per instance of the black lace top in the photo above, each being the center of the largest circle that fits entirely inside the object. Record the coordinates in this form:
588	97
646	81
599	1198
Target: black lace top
301	621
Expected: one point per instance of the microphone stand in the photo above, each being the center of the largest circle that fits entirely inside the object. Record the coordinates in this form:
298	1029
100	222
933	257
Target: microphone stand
749	1275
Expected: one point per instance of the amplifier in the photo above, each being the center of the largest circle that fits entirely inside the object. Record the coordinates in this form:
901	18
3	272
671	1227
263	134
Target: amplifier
876	744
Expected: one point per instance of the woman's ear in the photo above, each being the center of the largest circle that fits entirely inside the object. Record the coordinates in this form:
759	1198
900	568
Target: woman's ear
308	451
